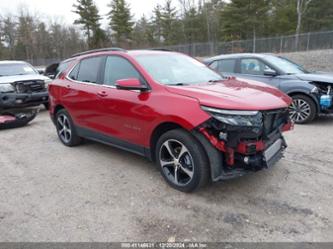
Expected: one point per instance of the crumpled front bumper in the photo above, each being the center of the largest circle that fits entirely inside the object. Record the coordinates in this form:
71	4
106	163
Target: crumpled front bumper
18	100
234	151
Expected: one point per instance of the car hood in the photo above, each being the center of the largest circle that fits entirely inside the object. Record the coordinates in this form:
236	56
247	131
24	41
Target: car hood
316	77
235	94
12	79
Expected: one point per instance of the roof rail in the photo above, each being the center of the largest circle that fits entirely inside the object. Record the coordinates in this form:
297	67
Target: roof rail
98	50
161	49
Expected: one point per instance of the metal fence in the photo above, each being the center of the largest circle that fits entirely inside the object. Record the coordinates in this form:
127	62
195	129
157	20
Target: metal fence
281	44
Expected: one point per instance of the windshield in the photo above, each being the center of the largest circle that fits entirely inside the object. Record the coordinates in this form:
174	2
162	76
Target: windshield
12	69
176	69
287	66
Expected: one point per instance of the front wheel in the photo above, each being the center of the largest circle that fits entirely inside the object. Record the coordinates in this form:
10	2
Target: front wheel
182	161
303	109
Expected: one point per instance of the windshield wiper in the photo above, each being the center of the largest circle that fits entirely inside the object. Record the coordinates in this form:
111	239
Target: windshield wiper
177	84
217	81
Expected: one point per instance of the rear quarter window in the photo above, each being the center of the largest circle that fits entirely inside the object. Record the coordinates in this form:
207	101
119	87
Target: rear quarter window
227	66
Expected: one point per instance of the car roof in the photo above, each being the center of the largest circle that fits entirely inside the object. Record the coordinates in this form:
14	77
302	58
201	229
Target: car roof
232	56
111	51
12	62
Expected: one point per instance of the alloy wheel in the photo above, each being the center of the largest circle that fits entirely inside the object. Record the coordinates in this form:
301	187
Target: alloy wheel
300	110
176	162
64	128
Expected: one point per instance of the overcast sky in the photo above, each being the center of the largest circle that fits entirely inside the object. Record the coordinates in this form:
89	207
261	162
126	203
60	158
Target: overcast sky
61	9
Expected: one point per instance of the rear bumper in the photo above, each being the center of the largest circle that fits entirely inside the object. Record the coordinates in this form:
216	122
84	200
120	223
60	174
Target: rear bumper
18	100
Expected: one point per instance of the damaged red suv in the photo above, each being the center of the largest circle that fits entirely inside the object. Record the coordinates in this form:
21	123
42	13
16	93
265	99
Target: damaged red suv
196	125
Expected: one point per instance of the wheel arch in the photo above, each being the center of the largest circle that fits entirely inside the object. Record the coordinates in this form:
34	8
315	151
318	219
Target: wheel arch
57	108
158	132
315	100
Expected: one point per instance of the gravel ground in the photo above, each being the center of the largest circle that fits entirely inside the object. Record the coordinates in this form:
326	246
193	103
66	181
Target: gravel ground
97	193
318	60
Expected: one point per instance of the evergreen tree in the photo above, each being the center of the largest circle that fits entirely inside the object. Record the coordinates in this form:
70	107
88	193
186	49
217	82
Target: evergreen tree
319	16
157	23
170	24
143	34
283	17
89	18
246	19
120	20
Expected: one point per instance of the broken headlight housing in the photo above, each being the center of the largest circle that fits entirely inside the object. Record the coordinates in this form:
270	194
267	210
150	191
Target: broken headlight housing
6	88
236	118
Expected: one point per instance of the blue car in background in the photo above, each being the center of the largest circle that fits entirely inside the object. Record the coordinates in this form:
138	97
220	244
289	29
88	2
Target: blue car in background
312	93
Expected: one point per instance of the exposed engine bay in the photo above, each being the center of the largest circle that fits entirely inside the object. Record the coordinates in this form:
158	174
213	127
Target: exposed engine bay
255	144
325	95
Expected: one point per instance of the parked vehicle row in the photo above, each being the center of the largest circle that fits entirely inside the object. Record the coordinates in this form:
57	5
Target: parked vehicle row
312	93
196	125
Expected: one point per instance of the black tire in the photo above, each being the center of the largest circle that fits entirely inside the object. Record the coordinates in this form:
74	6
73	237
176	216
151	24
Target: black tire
299	116
47	106
68	137
192	166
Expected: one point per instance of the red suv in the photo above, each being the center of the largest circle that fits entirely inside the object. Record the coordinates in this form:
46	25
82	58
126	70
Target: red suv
196	125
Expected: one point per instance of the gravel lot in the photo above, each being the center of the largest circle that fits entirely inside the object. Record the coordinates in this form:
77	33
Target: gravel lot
317	60
98	193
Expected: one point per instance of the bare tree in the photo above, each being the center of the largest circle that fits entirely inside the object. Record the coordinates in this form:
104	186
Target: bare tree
302	6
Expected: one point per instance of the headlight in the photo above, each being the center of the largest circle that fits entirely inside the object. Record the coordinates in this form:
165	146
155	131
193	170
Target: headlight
6	88
236	118
47	82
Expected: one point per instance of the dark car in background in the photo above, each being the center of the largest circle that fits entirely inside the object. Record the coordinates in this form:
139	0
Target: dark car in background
312	93
21	85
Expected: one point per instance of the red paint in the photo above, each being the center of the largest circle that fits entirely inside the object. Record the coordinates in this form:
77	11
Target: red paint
133	115
128	83
288	127
243	147
6	118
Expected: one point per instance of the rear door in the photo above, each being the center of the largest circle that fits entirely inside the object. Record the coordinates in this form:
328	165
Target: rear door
81	97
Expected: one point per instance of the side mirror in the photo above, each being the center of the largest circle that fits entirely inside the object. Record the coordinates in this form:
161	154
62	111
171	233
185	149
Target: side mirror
270	72
41	71
130	84
51	76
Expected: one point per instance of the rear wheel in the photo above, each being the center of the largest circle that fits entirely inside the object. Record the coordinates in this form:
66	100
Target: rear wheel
182	161
66	129
303	109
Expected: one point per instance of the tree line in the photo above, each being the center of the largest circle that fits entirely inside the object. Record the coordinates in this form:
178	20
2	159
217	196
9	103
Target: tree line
25	36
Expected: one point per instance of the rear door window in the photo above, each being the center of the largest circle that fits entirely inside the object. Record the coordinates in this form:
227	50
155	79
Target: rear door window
89	70
227	66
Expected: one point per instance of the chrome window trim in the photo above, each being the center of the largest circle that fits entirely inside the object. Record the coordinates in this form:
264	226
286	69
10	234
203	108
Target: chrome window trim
96	84
85	83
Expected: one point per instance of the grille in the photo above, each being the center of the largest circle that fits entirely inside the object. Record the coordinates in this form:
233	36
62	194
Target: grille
274	119
30	86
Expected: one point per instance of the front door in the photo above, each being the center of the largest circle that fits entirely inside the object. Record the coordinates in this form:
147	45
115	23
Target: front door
254	69
124	113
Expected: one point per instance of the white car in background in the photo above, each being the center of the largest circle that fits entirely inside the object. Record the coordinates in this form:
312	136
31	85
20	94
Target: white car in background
21	85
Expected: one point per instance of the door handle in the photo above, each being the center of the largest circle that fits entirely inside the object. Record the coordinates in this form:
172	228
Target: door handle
102	94
68	86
